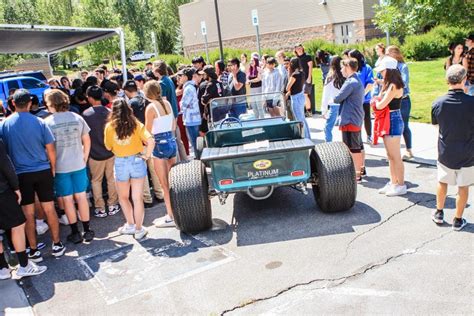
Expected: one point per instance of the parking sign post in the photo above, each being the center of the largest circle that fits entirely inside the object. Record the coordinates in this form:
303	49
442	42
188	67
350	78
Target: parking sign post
255	23
204	33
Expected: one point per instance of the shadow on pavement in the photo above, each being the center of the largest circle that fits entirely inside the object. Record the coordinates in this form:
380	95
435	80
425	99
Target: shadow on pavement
290	215
117	263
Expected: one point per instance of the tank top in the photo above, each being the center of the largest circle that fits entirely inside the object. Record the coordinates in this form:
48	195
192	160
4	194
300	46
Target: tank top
162	124
395	104
255	84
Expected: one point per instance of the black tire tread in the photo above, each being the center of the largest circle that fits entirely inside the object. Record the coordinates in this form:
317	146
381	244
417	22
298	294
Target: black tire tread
337	187
189	196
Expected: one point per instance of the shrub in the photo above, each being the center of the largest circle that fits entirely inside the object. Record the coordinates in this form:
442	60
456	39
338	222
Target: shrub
171	60
433	44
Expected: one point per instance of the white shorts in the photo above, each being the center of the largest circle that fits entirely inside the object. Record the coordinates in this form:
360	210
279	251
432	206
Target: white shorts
461	177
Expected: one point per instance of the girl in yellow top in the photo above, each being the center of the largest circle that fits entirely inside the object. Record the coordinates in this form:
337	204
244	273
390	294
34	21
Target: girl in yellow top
125	136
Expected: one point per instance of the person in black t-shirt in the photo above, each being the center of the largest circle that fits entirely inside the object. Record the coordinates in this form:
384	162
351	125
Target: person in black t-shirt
306	62
294	90
135	100
454	113
101	160
214	89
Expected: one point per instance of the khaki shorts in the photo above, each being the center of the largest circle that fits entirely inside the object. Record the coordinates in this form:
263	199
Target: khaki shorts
461	177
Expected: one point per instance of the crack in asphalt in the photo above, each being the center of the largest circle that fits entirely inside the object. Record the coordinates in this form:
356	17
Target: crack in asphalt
340	280
383	222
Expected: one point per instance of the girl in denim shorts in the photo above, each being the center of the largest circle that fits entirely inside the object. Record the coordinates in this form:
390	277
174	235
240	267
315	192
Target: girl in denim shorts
125	136
391	97
161	123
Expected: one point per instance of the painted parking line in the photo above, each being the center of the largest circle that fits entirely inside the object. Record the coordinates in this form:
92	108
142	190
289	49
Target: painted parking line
131	270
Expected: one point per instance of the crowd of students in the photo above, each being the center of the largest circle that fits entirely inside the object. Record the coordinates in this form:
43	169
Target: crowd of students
100	132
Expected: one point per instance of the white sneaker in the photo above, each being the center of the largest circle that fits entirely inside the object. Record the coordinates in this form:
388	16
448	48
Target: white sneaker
396	190
41	227
30	270
165	221
127	229
5	273
139	234
63	220
385	188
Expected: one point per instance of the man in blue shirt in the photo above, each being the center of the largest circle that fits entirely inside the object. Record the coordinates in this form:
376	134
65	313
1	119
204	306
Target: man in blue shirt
30	145
454	113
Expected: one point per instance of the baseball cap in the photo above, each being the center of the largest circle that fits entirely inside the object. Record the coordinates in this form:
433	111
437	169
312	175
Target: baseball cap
130	84
110	87
470	37
387	63
139	77
198	59
208	70
188	72
22	97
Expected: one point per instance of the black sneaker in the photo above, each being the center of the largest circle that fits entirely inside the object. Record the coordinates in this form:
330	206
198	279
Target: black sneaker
88	235
58	250
459	223
438	217
363	172
75	238
100	213
35	256
148	205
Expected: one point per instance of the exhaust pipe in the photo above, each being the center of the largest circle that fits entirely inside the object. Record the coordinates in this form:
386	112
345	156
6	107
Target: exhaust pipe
260	193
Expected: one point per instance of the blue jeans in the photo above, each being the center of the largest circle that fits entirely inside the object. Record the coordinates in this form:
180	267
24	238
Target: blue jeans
331	121
165	146
405	110
297	105
193	133
131	167
396	124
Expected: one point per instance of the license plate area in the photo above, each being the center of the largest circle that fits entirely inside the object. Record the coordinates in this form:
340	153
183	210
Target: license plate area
253	169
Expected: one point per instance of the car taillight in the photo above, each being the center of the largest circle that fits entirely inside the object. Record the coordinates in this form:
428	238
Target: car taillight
297	173
226	182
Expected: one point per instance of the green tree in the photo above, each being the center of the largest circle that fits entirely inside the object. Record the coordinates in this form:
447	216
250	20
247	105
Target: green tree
20	11
405	17
166	24
136	14
101	13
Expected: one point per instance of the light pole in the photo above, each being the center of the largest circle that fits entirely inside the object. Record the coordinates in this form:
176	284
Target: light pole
219	35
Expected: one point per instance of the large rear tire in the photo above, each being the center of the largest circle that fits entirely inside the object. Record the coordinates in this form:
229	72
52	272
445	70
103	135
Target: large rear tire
190	197
333	169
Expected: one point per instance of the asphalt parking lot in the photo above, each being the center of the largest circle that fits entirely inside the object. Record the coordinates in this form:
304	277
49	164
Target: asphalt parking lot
278	256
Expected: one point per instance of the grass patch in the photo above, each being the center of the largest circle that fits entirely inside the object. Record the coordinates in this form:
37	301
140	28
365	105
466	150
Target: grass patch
426	84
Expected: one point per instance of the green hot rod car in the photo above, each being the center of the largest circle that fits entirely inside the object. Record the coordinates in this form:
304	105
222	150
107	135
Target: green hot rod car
254	144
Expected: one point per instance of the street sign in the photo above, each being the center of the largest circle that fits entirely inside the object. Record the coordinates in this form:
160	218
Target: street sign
203	28
254	17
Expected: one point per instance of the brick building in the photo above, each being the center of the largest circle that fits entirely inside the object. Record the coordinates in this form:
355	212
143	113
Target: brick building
282	23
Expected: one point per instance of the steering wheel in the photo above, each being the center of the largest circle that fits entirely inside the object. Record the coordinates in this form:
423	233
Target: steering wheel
229	120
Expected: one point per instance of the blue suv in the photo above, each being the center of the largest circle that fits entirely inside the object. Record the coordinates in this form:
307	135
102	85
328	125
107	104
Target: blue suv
35	86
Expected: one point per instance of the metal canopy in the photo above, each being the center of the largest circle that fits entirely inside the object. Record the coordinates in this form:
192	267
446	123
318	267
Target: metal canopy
45	39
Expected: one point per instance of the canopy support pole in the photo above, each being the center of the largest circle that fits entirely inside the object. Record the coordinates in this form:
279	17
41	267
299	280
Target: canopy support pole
123	55
49	65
